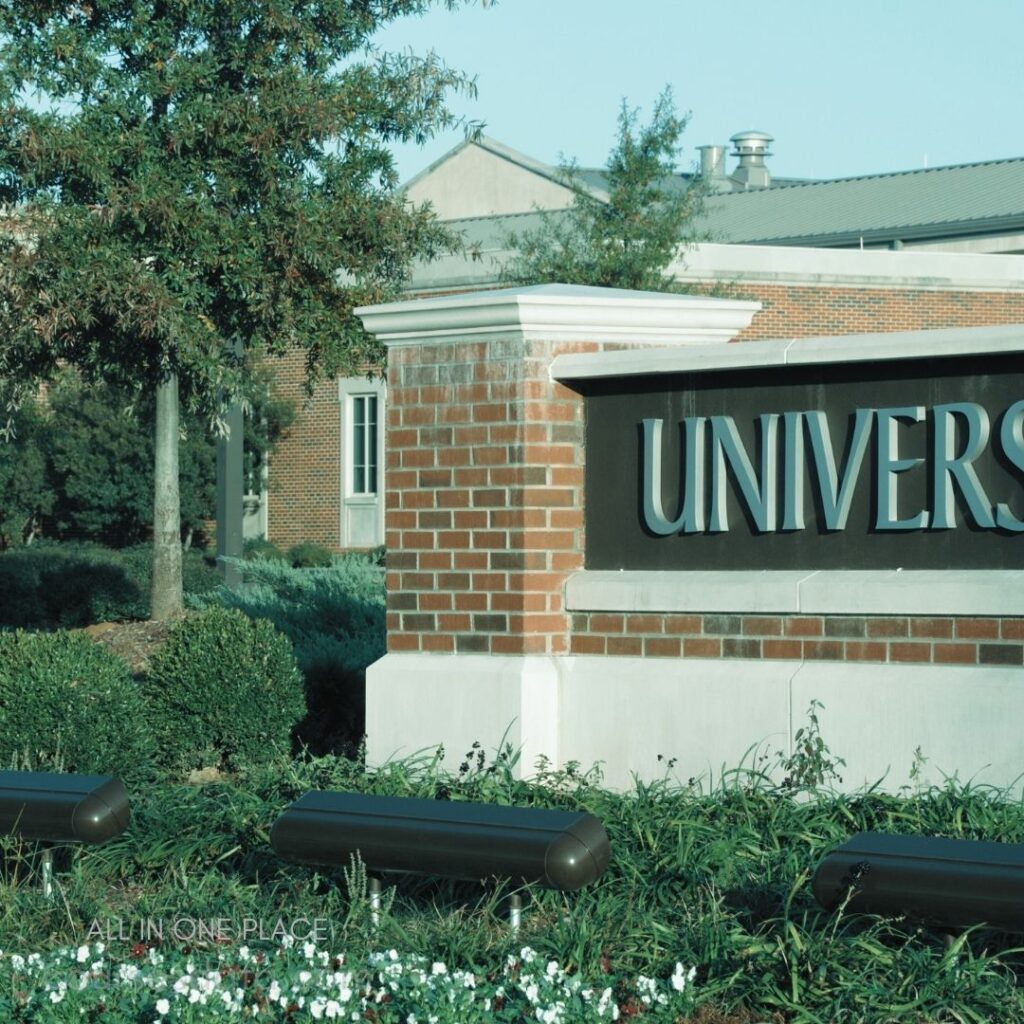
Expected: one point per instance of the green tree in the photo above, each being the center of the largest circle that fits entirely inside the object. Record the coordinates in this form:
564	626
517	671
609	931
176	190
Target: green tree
629	239
26	493
198	185
100	460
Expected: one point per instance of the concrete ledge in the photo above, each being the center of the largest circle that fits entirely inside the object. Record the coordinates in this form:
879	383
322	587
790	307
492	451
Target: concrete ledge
561	312
850	348
708	716
908	268
823	592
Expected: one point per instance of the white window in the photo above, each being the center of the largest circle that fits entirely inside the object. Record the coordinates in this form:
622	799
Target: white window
362	462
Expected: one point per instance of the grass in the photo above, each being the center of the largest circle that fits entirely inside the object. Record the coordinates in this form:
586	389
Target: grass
719	881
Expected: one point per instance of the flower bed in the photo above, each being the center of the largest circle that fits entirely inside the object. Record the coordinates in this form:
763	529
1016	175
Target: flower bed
296	981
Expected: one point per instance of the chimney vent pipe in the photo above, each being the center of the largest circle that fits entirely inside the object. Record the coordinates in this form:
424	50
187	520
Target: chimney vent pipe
751	148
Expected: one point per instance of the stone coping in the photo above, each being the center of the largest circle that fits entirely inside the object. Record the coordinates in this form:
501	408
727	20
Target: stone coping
801	592
850	348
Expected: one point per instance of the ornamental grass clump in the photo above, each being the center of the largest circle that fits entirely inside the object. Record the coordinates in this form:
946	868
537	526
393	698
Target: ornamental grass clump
223	692
69	704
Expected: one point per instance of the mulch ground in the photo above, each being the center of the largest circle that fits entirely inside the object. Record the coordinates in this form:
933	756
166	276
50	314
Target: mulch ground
134	642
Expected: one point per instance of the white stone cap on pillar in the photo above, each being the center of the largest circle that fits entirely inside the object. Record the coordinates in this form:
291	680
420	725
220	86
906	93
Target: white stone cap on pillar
561	312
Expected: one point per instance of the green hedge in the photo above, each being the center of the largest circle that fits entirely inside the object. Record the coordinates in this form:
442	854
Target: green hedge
224	691
66	585
69	704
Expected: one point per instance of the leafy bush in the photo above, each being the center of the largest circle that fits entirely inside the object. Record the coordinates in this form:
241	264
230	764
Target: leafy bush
51	585
26	493
223	691
101	457
69	584
69	704
335	619
259	547
308	555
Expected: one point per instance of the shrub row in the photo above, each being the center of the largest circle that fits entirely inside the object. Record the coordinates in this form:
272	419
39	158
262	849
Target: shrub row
67	585
224	691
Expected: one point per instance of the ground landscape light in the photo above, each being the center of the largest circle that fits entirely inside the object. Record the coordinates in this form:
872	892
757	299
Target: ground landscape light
49	807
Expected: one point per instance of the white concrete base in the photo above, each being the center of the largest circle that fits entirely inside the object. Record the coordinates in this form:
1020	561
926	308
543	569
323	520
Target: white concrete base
710	715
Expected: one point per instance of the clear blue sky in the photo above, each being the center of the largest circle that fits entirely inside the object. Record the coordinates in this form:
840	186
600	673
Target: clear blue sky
846	86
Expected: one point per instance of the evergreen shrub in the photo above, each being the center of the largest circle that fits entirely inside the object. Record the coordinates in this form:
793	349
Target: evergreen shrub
335	619
259	547
224	691
51	585
70	584
70	704
308	555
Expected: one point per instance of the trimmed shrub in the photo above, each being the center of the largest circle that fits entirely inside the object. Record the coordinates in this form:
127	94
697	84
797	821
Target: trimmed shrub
50	585
259	547
70	584
308	555
335	618
224	691
69	704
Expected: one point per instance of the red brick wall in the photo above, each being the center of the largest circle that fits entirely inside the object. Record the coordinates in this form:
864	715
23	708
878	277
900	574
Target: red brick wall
485	507
484	498
930	639
801	311
305	467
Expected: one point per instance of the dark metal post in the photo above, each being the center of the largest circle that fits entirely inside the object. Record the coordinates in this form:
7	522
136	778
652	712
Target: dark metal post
229	496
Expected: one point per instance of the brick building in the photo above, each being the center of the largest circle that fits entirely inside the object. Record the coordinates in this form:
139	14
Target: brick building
802	293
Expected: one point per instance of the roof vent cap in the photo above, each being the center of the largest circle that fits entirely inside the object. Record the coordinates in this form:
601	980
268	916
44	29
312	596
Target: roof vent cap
751	148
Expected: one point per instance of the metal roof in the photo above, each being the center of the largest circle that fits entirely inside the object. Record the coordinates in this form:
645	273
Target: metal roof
931	203
964	199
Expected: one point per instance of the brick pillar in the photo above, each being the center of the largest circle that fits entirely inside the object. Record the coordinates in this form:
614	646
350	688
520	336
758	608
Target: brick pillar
484	510
484	497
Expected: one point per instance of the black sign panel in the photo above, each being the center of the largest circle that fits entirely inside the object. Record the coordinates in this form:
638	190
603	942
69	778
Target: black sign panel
915	464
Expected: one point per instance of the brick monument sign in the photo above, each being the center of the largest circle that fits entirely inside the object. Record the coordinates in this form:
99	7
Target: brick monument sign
613	537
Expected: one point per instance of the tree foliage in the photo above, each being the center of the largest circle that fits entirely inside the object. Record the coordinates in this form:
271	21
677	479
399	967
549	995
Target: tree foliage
628	239
26	490
198	185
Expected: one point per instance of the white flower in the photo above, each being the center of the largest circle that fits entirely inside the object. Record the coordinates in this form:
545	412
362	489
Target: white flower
82	954
647	988
183	984
274	992
316	1008
679	980
127	972
527	955
438	968
304	977
333	1008
163	1006
552	968
56	997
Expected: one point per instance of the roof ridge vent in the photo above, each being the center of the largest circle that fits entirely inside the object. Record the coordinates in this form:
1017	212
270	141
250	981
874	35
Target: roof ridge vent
751	147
